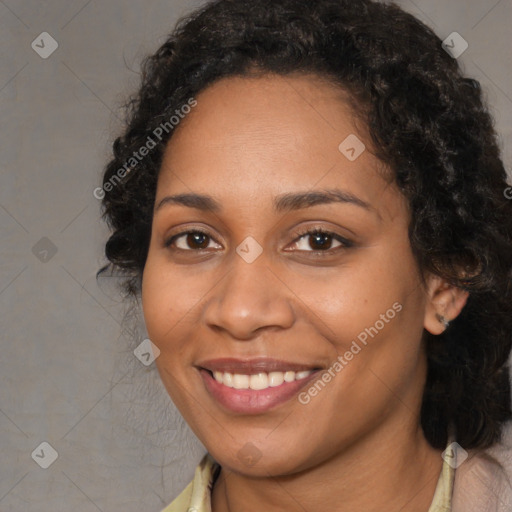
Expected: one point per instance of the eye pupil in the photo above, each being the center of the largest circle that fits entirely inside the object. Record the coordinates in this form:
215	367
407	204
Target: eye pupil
197	240
320	241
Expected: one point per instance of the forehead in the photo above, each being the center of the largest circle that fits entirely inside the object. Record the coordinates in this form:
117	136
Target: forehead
300	108
254	136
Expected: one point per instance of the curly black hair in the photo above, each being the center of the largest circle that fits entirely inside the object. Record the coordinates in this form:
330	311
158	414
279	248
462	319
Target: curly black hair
426	121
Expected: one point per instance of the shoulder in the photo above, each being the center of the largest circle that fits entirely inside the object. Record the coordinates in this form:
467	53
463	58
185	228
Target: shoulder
483	482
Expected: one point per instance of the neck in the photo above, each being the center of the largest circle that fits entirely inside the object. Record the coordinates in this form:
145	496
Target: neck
394	470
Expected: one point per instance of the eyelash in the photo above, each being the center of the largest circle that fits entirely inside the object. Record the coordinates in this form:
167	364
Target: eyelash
345	243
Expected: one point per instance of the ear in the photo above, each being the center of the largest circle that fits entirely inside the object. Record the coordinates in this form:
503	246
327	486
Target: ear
444	303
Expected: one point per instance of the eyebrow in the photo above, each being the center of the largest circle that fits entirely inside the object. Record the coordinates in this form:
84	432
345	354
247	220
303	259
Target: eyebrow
282	203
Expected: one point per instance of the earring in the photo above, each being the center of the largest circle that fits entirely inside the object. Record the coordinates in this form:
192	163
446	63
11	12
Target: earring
443	320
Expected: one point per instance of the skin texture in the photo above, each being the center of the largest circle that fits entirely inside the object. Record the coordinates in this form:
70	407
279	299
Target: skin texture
357	445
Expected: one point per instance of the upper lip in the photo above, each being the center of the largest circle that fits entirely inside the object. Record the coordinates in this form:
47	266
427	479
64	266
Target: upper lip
252	366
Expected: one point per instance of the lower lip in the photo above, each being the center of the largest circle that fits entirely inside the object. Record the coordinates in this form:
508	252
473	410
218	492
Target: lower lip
250	401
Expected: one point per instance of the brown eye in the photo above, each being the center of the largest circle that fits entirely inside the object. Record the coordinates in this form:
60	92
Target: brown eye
320	242
190	241
197	240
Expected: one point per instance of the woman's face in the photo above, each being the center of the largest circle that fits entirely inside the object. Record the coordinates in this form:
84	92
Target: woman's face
325	327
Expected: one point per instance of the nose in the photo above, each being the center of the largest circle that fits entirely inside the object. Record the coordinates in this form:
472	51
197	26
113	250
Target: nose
248	299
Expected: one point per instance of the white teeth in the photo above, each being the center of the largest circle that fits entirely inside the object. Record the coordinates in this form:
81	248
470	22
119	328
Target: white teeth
289	376
275	379
258	381
240	381
227	379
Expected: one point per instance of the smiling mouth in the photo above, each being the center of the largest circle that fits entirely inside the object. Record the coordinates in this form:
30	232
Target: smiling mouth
258	381
254	386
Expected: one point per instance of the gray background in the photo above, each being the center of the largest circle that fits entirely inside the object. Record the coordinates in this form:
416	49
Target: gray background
68	373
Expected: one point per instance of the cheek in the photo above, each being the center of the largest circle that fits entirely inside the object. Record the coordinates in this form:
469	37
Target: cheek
156	303
376	290
168	299
371	315
164	307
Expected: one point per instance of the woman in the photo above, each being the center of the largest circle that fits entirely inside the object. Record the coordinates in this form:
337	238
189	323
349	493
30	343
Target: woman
310	198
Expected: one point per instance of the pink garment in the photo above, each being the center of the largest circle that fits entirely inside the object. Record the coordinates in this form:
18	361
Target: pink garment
483	483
